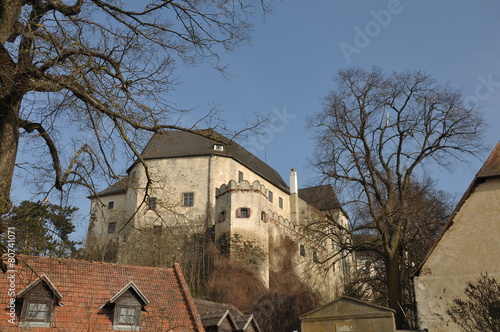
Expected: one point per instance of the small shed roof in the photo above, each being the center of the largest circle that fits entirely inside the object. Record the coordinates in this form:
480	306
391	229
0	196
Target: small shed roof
347	307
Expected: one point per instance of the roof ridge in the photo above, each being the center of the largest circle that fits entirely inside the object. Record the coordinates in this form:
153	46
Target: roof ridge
85	261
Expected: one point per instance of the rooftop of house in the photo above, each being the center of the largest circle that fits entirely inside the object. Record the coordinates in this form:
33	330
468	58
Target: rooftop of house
492	165
177	144
186	144
212	313
88	289
215	318
321	197
205	306
490	168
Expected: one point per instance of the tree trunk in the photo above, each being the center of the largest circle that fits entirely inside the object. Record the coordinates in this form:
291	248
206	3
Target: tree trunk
394	287
9	139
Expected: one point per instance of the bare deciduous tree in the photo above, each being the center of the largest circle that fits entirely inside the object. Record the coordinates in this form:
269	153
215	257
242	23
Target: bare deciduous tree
375	136
101	69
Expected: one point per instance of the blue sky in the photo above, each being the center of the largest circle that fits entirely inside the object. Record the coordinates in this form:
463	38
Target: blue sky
296	51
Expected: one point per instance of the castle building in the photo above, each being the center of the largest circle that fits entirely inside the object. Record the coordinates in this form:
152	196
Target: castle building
203	183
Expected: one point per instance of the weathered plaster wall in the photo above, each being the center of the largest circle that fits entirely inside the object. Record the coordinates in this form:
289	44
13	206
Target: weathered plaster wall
206	177
244	238
468	248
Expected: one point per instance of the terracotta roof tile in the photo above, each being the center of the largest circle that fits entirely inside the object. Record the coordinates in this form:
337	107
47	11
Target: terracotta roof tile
86	286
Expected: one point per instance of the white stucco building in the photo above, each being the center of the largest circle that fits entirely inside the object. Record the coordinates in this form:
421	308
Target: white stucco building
468	247
206	184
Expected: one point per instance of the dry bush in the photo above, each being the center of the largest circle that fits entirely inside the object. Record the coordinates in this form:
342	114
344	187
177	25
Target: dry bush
235	282
288	298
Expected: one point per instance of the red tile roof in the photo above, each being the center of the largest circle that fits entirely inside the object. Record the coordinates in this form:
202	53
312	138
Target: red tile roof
86	286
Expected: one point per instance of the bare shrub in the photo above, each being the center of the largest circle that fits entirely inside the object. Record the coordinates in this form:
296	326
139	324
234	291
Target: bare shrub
235	282
480	311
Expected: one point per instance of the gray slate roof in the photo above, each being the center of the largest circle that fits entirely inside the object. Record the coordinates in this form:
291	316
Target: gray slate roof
116	188
205	306
215	318
185	144
321	197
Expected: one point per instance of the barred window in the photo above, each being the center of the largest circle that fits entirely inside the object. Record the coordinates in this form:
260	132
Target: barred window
188	199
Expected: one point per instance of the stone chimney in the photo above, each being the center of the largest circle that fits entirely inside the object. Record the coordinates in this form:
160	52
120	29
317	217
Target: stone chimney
294	197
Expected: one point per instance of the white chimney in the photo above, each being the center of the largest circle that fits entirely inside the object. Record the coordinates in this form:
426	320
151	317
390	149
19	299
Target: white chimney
294	185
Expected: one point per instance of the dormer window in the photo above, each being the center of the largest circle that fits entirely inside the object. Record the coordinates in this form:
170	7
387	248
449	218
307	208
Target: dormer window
127	305
127	316
37	312
38	301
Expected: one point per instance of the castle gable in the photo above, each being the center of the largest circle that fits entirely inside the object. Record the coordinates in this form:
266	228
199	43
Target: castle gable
177	144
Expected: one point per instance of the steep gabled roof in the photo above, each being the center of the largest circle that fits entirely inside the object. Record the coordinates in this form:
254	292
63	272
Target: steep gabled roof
247	321
42	279
216	318
492	165
321	197
205	306
119	187
130	285
85	286
490	168
176	144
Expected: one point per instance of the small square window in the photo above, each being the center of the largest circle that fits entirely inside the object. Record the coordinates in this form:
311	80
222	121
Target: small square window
111	227
37	312
280	202
152	201
243	213
127	316
302	250
240	176
111	205
188	199
270	195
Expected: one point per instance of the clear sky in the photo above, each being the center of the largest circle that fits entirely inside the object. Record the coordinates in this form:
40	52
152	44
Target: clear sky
298	48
